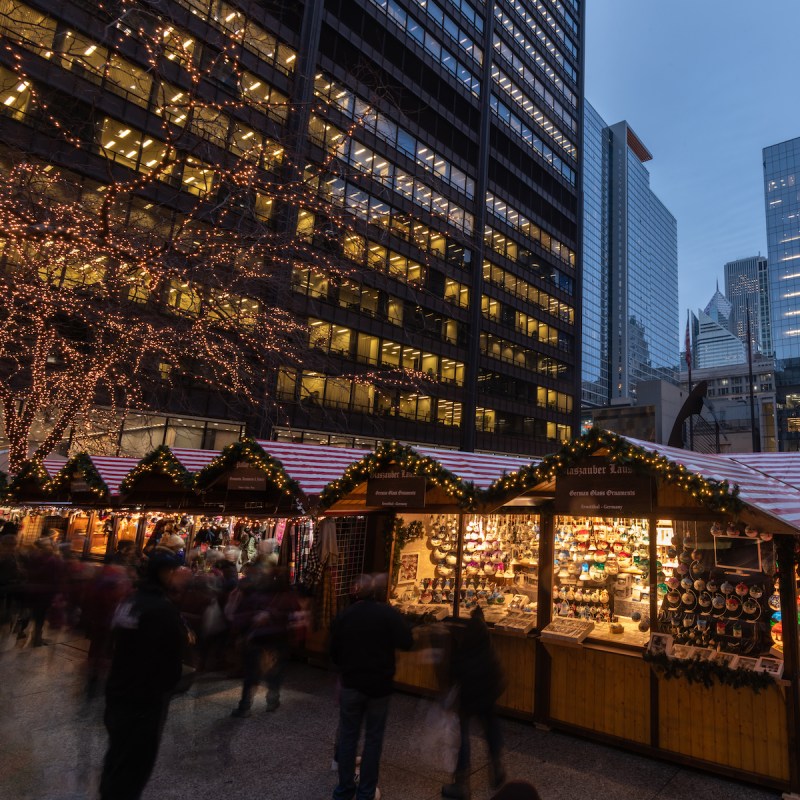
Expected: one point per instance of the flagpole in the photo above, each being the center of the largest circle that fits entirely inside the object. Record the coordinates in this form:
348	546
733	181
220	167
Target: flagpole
756	438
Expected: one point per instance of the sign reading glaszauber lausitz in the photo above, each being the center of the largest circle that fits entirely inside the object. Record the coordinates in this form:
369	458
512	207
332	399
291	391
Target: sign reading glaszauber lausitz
395	490
603	489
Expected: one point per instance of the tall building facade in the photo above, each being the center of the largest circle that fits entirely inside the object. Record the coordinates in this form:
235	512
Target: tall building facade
747	286
630	269
713	345
782	206
447	134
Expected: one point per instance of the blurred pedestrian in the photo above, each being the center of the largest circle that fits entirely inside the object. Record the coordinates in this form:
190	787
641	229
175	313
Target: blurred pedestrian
44	579
269	608
149	640
478	676
10	578
364	638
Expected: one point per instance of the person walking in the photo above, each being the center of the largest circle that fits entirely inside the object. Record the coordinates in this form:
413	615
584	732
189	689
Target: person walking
149	640
364	638
476	672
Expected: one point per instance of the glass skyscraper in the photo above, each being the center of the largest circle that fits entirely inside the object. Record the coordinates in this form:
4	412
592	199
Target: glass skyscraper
746	283
782	203
630	268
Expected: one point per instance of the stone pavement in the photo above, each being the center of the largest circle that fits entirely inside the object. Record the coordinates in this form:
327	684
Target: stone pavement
52	743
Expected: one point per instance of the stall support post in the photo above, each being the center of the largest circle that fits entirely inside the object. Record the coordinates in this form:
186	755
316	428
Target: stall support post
141	527
652	580
111	544
87	542
788	594
459	565
544	613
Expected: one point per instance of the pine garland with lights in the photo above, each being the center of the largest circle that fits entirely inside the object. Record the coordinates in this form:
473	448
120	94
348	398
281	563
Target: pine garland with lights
33	471
81	464
407	459
249	451
693	670
716	495
161	461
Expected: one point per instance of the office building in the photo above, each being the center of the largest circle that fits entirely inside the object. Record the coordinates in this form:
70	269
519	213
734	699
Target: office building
713	345
782	206
747	286
446	134
630	270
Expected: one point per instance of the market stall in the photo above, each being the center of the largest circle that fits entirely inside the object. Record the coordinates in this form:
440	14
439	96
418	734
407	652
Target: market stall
656	625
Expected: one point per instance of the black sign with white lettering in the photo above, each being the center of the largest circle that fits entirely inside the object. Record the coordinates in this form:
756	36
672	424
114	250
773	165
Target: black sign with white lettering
396	491
603	489
247	479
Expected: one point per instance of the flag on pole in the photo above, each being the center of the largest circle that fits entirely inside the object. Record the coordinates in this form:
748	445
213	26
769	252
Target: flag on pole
688	344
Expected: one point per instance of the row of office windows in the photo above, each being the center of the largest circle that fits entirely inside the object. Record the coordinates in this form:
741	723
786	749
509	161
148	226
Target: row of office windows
361	396
525	324
515	219
81	54
503	350
529	136
430	44
451	29
522	69
530	24
310	283
524	102
377	123
377	351
527	292
352	395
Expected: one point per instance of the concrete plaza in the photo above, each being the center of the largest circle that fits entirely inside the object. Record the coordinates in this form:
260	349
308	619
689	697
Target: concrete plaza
52	743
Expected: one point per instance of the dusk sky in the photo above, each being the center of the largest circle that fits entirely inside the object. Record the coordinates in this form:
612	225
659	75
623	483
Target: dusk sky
706	84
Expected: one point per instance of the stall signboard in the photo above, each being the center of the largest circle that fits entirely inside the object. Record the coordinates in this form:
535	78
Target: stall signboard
396	490
600	488
245	478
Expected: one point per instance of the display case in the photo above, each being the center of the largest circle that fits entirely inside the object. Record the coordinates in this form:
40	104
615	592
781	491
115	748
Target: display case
499	567
601	575
717	591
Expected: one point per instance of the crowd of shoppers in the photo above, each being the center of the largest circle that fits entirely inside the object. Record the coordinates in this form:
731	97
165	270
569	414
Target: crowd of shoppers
153	617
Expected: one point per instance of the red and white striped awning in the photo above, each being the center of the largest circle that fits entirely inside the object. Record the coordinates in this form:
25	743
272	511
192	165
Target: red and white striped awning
112	470
482	469
756	488
314	466
193	460
783	467
52	464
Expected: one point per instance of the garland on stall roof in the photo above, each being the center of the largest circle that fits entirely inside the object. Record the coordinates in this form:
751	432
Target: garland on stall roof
706	672
717	495
405	458
402	533
162	460
250	451
32	470
78	463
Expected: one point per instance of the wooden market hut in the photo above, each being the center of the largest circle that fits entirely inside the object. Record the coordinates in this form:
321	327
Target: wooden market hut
734	722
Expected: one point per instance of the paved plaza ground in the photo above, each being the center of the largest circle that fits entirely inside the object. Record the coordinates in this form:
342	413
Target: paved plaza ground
52	743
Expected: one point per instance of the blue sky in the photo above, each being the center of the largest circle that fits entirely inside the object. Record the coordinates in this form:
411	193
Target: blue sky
706	84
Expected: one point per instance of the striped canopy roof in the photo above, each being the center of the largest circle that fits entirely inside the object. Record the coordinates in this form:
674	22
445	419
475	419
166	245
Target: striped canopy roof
52	463
193	460
112	469
784	467
756	488
314	466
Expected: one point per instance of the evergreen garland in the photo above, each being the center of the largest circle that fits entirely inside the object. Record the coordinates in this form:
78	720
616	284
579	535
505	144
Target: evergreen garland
250	451
405	458
31	471
78	463
161	460
716	495
706	672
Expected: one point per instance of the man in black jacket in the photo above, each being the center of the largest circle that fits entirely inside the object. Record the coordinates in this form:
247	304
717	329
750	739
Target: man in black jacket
149	639
363	640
